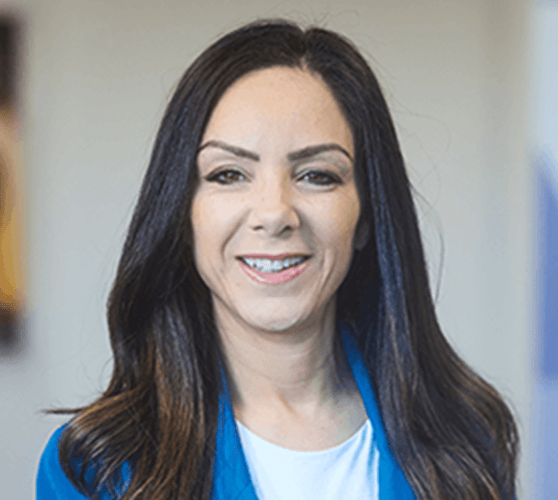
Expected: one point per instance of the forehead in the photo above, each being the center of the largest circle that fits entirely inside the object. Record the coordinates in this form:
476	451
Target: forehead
279	105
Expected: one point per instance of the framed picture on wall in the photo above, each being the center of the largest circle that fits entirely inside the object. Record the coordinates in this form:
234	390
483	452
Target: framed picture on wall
11	247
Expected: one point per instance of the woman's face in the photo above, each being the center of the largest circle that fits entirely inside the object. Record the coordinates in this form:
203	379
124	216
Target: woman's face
276	180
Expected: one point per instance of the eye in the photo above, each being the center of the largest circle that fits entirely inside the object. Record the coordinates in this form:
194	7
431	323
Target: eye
321	178
227	176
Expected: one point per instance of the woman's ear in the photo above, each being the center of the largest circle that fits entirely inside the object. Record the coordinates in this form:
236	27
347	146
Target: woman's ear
362	234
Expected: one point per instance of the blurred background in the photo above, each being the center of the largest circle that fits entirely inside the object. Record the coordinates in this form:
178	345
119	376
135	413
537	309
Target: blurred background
473	87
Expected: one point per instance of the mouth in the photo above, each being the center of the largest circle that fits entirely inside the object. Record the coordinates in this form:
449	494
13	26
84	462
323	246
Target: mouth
268	265
274	271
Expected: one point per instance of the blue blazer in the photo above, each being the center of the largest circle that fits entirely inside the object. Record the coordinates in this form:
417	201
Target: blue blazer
231	478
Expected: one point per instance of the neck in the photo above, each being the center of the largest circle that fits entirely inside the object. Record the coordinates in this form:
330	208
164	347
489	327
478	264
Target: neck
290	371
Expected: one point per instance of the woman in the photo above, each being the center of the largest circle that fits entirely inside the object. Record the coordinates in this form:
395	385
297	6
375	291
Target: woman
272	325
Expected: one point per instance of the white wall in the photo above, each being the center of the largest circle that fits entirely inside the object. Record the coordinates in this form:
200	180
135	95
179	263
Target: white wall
97	77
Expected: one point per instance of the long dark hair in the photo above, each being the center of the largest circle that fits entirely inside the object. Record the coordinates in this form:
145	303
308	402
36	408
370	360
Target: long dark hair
449	430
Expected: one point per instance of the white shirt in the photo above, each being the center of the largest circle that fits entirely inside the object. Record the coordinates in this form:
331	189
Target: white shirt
348	471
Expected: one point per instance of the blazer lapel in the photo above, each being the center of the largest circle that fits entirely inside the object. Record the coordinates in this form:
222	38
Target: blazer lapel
231	477
392	482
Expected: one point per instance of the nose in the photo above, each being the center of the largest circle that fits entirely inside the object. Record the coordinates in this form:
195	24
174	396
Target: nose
273	212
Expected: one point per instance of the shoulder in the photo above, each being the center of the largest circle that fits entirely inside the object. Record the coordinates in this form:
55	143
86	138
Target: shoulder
52	482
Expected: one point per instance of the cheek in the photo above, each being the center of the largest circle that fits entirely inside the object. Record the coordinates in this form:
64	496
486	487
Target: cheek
340	224
213	222
203	236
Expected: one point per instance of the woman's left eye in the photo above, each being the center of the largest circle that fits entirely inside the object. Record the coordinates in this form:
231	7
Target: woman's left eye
320	178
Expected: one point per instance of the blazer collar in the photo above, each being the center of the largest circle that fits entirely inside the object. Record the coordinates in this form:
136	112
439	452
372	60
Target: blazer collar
231	477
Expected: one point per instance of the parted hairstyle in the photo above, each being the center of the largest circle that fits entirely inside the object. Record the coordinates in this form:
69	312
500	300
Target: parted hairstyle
449	430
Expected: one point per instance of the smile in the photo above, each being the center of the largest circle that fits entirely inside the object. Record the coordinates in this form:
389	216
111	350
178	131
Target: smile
273	272
273	266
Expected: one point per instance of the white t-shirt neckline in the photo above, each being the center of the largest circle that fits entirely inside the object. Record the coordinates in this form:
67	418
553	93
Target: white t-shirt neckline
348	471
347	442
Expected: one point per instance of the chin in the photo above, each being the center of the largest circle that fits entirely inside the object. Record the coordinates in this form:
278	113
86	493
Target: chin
275	325
281	326
279	323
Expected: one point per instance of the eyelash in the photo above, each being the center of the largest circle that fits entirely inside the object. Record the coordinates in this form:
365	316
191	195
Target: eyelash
216	177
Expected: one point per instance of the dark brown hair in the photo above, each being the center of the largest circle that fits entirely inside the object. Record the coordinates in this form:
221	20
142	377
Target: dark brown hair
449	430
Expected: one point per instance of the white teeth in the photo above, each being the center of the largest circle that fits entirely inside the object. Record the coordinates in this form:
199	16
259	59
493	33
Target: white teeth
272	266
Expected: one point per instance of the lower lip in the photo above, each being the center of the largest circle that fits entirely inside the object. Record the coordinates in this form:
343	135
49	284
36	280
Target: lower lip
274	278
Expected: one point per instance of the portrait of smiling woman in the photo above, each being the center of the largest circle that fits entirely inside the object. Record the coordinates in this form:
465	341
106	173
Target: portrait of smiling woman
272	325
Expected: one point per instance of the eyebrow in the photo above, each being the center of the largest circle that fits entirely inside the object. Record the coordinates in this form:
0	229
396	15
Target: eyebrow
301	154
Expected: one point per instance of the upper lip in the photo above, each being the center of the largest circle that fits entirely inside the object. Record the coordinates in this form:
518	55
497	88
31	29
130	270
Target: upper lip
273	257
